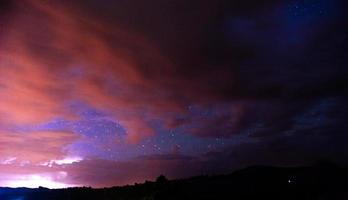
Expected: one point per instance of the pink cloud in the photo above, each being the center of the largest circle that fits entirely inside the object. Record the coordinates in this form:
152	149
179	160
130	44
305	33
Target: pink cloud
52	54
40	54
35	147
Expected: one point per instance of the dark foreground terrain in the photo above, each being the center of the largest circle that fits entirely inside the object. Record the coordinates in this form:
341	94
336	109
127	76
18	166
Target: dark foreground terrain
259	182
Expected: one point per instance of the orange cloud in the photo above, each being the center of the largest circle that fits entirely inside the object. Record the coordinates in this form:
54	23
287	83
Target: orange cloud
54	54
51	57
34	147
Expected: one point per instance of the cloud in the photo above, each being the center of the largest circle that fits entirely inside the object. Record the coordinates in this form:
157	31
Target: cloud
68	52
43	71
74	58
34	147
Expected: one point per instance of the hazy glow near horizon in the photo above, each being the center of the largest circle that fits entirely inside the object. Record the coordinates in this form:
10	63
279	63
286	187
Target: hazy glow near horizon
35	181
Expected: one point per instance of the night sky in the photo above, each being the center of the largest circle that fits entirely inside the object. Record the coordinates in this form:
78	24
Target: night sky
113	92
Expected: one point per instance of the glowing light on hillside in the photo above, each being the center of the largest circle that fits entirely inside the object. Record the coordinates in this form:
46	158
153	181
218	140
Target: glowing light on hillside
37	180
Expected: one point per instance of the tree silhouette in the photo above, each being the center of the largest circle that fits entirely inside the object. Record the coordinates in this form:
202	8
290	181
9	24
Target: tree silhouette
161	180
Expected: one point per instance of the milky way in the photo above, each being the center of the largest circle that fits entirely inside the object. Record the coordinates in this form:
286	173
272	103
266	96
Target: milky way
103	93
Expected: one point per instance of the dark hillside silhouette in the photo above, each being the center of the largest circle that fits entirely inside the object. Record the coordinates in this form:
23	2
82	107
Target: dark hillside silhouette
322	181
